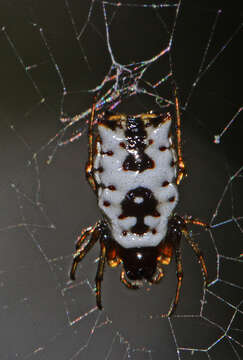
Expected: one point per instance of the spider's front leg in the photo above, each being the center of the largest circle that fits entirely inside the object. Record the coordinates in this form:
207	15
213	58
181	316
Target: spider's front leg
90	164
180	161
100	274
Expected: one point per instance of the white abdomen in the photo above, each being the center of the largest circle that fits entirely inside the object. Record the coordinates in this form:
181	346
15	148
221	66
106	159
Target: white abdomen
137	190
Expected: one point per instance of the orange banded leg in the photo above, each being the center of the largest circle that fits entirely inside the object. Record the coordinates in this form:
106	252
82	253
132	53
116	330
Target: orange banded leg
113	260
90	163
83	246
166	253
199	255
100	274
126	282
158	275
180	162
194	221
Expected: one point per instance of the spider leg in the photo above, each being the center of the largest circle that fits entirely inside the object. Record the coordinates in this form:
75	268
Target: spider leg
179	274
190	220
180	162
99	274
198	254
126	282
166	252
83	246
113	260
158	275
90	163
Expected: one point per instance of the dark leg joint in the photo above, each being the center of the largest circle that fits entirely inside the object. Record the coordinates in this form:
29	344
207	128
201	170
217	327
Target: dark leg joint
179	275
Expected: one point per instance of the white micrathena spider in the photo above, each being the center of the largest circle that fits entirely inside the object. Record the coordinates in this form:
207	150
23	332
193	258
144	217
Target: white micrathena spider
135	171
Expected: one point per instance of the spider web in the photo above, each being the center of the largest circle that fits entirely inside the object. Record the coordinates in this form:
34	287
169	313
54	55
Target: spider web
56	56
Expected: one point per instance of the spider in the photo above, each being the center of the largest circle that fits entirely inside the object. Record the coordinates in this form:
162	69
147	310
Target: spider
135	171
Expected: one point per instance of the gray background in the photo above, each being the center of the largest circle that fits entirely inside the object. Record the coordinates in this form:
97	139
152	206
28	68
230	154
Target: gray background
43	207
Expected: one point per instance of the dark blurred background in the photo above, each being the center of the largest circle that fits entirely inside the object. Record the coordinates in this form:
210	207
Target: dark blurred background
46	201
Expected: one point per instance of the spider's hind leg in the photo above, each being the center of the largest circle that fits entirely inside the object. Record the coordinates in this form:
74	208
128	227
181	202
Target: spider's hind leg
90	163
84	245
100	274
170	245
179	274
199	255
197	251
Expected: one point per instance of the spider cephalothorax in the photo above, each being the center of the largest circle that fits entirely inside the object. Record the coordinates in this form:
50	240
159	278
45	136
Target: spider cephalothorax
135	172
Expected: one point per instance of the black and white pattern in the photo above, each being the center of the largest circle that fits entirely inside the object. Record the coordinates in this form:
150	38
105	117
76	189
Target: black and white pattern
135	168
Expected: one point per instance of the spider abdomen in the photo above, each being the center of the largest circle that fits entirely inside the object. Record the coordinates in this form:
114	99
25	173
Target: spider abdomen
135	173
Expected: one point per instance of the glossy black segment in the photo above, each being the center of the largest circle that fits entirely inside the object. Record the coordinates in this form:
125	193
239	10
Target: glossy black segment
139	210
139	263
175	227
135	127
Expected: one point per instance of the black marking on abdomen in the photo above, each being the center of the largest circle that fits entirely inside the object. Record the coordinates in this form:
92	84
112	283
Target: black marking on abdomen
136	136
109	153
99	169
165	183
139	210
106	203
138	163
163	148
111	187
